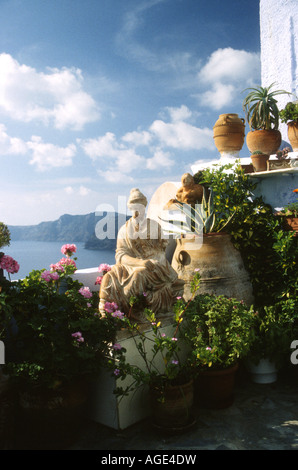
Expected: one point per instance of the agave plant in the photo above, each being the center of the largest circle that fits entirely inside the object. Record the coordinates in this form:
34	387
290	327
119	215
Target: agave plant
261	109
198	218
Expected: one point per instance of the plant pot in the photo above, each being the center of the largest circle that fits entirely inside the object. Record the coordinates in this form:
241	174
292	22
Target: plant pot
266	141
259	162
215	388
229	133
265	372
221	266
48	419
173	410
290	223
293	135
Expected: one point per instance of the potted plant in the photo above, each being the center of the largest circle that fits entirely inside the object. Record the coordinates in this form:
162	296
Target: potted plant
203	240
289	115
275	327
289	215
219	331
161	365
56	344
259	160
262	115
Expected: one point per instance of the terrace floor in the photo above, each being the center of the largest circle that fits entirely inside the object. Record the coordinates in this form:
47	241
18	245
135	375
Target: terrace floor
262	417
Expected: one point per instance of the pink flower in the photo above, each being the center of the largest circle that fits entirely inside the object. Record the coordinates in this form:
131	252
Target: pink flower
9	264
78	336
117	346
49	276
110	307
104	268
98	280
85	291
174	339
68	249
116	372
118	314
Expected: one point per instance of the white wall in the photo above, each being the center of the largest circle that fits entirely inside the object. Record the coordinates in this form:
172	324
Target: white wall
279	48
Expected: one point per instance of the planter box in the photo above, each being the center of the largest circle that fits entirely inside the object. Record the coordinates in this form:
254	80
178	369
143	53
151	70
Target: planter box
119	413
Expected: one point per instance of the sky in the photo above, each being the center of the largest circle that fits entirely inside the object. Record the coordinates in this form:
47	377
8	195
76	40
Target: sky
101	96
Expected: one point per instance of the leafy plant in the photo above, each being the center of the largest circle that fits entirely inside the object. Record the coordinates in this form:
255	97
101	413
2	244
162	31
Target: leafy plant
4	235
51	338
161	351
260	107
219	330
254	230
275	327
200	218
290	112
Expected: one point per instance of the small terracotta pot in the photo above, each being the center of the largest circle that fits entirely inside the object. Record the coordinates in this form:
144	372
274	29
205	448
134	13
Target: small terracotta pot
259	162
215	388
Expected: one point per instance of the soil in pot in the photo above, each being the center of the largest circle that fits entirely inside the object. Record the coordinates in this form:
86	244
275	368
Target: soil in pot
214	389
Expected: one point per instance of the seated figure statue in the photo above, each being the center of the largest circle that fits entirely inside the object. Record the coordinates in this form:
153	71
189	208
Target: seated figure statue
141	267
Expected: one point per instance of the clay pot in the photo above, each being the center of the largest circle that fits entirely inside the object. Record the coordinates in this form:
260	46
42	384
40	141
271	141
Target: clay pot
221	266
291	224
174	411
266	141
259	162
215	388
293	135
229	133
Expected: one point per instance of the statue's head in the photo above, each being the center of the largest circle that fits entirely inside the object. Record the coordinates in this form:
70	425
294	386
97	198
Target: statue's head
187	179
137	202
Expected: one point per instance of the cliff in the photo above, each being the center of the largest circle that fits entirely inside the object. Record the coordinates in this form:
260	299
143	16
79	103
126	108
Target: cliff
71	229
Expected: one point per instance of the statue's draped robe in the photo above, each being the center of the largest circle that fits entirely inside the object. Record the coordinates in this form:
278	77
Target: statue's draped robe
160	284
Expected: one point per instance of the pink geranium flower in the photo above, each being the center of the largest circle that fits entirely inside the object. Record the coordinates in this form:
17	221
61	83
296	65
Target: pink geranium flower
98	280
68	249
104	268
85	291
49	276
9	264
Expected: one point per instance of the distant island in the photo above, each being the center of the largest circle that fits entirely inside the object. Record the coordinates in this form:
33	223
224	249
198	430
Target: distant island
71	229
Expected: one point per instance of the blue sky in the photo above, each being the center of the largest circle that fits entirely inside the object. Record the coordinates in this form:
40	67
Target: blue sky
100	96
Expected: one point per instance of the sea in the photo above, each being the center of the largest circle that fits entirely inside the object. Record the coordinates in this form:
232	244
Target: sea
38	255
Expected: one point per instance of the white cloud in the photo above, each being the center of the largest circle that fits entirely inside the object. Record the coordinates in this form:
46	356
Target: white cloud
137	138
219	96
181	135
230	64
46	155
10	145
227	72
55	97
159	159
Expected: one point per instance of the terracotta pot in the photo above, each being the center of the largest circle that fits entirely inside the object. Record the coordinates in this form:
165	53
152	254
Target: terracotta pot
293	135
221	266
266	141
175	410
229	133
291	223
215	388
259	162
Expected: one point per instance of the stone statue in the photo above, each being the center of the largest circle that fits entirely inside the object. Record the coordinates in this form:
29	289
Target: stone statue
189	193
141	268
